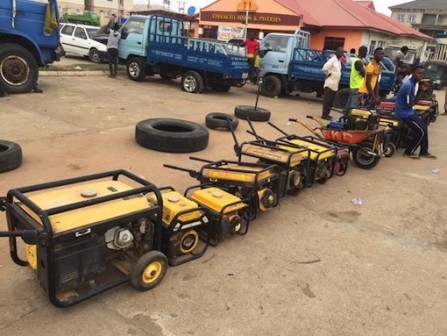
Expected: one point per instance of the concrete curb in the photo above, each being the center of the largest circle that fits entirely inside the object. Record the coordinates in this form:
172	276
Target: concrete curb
79	73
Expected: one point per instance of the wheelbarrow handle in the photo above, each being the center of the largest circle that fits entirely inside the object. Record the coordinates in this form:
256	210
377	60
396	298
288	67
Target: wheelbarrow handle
293	120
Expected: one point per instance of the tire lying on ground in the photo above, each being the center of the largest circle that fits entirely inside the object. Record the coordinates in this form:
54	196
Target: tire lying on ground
249	112
10	156
217	120
171	135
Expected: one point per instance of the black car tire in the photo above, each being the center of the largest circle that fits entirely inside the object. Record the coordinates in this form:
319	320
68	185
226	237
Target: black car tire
217	120
171	135
271	86
136	69
10	156
18	69
192	82
93	56
249	112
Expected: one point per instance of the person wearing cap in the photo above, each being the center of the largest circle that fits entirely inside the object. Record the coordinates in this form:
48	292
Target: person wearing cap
405	100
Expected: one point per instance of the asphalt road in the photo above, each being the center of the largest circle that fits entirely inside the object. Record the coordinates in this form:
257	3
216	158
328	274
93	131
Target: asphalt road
314	265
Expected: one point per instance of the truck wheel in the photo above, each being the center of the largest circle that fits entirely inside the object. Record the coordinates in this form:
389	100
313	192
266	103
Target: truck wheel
271	86
149	270
171	135
18	69
93	56
249	112
341	98
10	156
136	69
218	120
192	82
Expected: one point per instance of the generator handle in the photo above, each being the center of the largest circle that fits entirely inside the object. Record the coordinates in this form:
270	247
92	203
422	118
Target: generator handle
277	128
191	172
28	236
237	146
200	159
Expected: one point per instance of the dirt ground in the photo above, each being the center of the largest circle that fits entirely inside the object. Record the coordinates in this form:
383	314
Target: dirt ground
314	265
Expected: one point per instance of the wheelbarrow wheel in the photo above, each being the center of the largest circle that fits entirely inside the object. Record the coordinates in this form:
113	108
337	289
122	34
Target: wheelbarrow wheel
362	157
390	150
149	270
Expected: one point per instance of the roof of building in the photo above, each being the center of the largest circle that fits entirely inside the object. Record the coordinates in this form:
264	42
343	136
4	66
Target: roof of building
347	14
366	3
422	4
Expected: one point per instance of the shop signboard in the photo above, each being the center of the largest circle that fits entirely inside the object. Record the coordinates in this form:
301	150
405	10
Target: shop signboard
228	33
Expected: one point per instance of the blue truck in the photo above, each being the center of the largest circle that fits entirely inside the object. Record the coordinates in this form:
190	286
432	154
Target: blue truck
287	64
157	44
29	39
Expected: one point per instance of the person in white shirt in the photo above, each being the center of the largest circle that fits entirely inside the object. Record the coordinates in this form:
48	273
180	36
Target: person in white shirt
112	49
332	71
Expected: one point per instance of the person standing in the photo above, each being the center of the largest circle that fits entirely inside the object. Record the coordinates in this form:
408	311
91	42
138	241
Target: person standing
332	71
252	46
356	78
370	88
405	100
112	49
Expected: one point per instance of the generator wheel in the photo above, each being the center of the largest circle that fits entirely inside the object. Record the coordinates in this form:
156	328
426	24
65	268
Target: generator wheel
10	156
216	120
363	159
171	135
390	150
149	270
189	241
249	112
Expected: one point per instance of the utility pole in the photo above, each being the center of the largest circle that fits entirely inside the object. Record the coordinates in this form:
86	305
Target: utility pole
247	9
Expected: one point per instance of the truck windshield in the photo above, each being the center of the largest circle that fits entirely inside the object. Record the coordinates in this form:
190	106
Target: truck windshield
135	25
275	43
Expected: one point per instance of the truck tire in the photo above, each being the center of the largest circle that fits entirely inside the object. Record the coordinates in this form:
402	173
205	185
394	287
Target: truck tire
136	69
218	120
341	98
10	156
249	112
271	86
18	69
171	135
192	82
93	56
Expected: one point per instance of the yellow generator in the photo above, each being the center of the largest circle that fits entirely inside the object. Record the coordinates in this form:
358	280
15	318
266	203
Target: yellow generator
182	220
324	159
87	234
361	120
292	167
256	182
229	214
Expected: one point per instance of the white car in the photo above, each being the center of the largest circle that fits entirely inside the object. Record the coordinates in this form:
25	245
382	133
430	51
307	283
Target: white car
77	39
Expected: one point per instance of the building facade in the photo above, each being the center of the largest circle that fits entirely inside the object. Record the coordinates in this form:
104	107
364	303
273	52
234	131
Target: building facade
428	17
332	23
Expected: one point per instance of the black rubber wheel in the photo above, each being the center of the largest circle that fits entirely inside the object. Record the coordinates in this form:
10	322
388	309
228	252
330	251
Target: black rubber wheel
216	120
171	135
271	86
363	159
136	69
149	270
390	150
244	112
93	56
18	69
10	156
192	82
341	98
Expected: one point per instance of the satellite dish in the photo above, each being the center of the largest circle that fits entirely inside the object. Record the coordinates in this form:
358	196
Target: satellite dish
191	10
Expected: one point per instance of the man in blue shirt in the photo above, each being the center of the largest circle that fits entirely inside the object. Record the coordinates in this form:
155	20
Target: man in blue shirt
405	100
